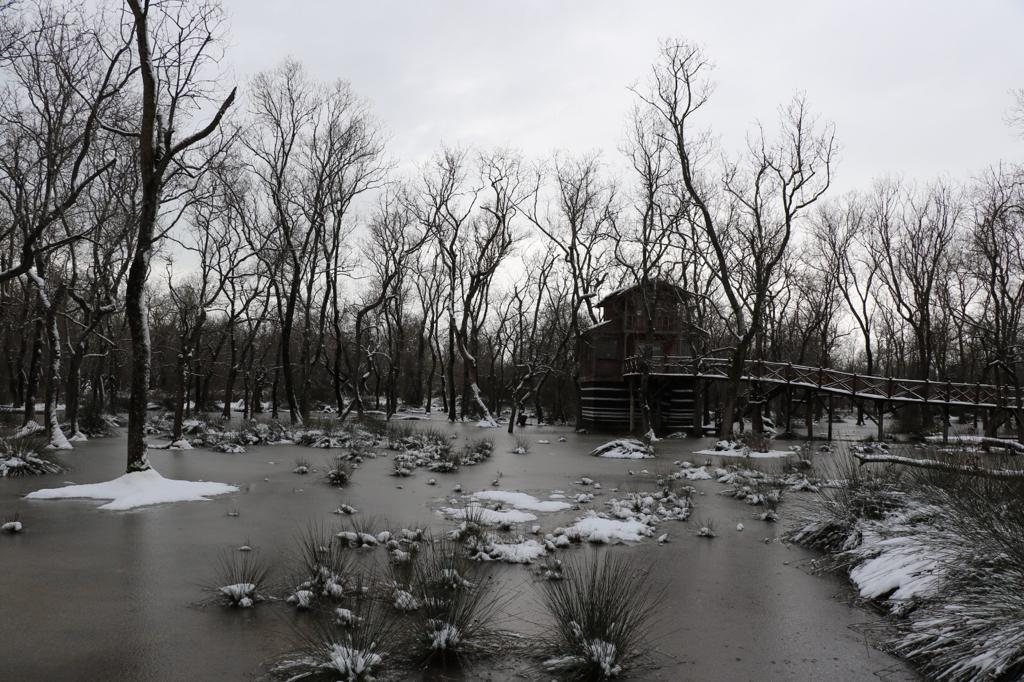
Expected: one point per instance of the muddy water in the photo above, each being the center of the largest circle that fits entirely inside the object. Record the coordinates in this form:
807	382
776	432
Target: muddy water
97	595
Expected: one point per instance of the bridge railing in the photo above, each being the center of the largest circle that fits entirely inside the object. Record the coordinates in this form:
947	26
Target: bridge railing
830	380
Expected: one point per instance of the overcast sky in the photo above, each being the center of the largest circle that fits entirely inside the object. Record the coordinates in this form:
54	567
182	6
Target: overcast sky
915	88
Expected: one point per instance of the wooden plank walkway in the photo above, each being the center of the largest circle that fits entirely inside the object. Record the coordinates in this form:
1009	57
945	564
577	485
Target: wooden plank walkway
831	381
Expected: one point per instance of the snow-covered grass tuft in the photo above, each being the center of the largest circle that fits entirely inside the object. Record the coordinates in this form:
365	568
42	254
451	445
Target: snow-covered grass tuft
446	460
626	448
323	567
600	615
831	522
339	472
457	605
25	456
706	528
12	525
522	446
241	578
355	644
477	451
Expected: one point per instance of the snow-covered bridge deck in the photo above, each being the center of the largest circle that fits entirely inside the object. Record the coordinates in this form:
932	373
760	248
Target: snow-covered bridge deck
831	381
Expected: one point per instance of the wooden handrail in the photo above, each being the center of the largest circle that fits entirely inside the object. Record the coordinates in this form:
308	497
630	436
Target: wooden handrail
828	380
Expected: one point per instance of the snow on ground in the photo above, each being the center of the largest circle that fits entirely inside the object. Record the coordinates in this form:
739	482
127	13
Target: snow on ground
137	489
490	516
625	448
521	500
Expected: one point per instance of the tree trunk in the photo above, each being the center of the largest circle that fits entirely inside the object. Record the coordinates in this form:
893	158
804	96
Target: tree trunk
73	390
141	349
229	380
57	439
34	370
452	414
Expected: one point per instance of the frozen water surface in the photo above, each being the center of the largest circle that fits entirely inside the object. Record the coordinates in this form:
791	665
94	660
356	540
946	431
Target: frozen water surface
95	594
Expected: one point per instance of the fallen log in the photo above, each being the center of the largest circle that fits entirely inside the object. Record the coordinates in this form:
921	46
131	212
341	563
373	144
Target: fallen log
985	441
939	466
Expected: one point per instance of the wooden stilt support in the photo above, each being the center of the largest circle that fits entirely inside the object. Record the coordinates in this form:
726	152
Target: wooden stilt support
789	409
830	411
945	424
881	418
632	402
809	415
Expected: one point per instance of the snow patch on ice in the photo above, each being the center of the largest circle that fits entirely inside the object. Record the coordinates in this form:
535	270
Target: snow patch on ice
521	500
490	516
516	552
593	528
137	489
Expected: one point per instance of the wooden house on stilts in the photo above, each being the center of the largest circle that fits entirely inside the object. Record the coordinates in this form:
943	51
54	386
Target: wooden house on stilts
641	326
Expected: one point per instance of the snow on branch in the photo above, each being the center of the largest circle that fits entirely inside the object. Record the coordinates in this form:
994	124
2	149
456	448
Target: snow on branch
939	466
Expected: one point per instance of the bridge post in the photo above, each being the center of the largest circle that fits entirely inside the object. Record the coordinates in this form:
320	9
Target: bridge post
881	416
809	415
945	413
789	398
977	404
789	409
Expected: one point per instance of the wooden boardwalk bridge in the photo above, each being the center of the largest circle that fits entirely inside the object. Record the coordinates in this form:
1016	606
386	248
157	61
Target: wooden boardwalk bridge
885	391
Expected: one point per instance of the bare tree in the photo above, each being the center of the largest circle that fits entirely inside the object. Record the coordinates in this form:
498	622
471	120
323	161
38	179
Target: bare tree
472	254
176	42
842	232
747	212
393	240
64	69
994	257
577	223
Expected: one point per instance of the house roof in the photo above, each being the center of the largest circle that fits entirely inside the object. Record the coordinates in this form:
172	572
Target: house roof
598	327
618	293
